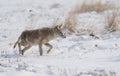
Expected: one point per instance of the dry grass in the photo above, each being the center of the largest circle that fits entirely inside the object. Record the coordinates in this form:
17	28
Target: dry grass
97	7
112	22
71	20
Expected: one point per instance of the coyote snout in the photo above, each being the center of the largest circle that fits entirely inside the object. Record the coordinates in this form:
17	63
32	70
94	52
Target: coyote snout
39	37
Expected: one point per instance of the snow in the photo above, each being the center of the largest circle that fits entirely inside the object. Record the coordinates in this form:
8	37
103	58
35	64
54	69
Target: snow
72	56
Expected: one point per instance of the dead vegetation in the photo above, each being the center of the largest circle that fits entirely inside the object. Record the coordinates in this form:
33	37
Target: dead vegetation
112	21
97	7
71	20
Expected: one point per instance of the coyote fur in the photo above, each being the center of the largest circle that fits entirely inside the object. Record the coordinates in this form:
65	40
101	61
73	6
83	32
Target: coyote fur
40	37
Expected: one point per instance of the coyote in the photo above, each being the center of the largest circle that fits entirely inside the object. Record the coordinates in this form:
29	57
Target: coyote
28	38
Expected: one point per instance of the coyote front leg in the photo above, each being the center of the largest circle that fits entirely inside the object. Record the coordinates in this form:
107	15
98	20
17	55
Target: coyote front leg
50	47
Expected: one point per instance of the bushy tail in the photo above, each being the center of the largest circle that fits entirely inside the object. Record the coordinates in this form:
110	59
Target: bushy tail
16	42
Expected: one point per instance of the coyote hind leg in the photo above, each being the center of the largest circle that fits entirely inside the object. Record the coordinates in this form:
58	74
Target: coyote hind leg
26	48
40	49
19	46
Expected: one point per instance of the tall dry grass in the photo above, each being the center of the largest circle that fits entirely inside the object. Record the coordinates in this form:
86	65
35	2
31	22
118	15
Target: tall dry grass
113	22
97	7
71	20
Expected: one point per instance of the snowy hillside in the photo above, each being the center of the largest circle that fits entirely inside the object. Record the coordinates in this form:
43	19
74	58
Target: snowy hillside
80	55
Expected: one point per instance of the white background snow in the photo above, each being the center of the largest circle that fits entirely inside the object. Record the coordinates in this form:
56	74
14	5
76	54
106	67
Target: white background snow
72	56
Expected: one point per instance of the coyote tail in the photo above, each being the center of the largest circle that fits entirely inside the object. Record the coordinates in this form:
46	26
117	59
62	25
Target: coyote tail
16	42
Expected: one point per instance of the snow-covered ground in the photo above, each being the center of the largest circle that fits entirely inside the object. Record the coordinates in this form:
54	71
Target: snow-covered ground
72	56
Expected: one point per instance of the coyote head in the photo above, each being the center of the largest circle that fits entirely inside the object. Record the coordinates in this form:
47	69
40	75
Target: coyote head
58	32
